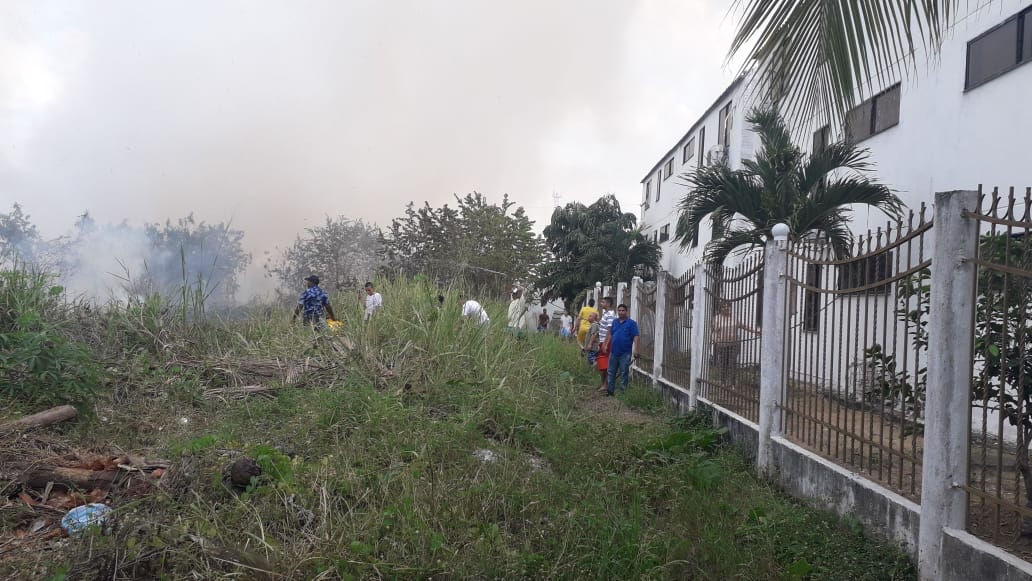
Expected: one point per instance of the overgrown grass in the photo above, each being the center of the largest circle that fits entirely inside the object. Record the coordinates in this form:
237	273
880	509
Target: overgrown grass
427	447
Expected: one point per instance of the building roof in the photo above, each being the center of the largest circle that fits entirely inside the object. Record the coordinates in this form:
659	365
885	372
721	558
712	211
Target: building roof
716	103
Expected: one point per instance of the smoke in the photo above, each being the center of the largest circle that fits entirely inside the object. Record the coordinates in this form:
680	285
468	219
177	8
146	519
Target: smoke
124	262
278	114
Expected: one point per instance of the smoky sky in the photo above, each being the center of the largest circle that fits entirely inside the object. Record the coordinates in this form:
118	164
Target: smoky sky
274	114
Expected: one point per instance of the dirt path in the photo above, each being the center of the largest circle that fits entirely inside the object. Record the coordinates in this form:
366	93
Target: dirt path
594	404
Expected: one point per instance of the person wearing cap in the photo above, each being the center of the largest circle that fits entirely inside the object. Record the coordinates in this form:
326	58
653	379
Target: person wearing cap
312	303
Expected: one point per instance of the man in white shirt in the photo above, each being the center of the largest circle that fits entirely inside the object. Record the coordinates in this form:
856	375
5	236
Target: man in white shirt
475	312
567	329
517	318
373	300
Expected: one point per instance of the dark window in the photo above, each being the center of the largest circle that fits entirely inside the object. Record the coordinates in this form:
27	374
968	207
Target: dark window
668	169
702	144
999	50
724	125
659	183
689	150
664	233
648	193
874	115
812	299
858	274
821	137
655	236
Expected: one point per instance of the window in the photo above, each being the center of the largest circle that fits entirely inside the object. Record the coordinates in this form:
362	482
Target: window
655	237
874	115
724	125
659	183
999	50
821	139
812	299
689	150
648	193
702	145
664	233
668	169
858	274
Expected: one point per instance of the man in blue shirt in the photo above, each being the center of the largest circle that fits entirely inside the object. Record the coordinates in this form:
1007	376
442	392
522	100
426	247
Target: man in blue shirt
623	345
312	303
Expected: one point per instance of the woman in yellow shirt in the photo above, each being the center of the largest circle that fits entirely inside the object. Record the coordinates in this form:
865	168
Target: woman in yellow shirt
582	323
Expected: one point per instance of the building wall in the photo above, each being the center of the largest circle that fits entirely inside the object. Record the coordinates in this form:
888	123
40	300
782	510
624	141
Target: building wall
948	138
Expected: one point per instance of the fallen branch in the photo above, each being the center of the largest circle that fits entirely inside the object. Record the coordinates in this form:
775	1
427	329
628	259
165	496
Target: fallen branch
44	418
42	476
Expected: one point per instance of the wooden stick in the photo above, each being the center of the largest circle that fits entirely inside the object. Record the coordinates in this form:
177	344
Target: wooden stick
44	418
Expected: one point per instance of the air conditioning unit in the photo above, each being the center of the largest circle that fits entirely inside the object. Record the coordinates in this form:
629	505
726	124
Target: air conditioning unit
716	154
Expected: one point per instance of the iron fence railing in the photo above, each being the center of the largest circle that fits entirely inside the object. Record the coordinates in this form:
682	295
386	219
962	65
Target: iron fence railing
999	475
677	327
731	375
645	314
856	351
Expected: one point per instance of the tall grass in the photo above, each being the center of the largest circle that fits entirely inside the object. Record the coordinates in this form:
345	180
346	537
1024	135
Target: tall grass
431	447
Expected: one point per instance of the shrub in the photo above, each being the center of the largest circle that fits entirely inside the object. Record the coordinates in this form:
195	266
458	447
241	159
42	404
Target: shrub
38	363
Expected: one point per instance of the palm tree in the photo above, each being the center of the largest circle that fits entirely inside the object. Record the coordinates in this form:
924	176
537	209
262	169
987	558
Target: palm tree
823	52
812	194
593	243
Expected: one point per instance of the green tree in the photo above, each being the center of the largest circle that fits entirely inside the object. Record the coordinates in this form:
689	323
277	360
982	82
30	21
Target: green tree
594	243
819	54
812	194
344	253
485	245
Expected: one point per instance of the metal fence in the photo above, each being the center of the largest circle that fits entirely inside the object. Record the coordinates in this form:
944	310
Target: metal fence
999	475
931	398
677	327
645	314
856	351
730	376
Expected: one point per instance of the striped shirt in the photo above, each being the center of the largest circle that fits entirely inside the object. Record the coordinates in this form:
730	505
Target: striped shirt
604	324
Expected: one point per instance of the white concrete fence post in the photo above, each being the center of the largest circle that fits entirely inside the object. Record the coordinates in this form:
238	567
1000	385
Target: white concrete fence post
699	338
772	344
948	399
620	287
659	327
635	289
598	296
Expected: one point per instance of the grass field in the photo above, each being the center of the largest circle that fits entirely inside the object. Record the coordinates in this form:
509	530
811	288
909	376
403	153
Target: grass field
417	446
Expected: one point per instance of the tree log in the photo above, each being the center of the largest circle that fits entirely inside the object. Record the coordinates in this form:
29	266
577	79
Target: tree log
44	418
39	476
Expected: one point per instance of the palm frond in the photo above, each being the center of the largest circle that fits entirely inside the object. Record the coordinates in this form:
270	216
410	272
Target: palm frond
818	53
719	249
840	194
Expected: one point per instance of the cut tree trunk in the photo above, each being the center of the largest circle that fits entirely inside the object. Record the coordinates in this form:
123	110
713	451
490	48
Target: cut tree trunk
44	418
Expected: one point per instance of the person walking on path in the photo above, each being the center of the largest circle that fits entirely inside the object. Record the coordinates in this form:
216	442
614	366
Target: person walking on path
373	300
623	346
517	316
312	303
566	331
543	321
582	323
605	320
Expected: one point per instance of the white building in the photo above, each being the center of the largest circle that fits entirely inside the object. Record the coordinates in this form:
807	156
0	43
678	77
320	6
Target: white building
957	123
